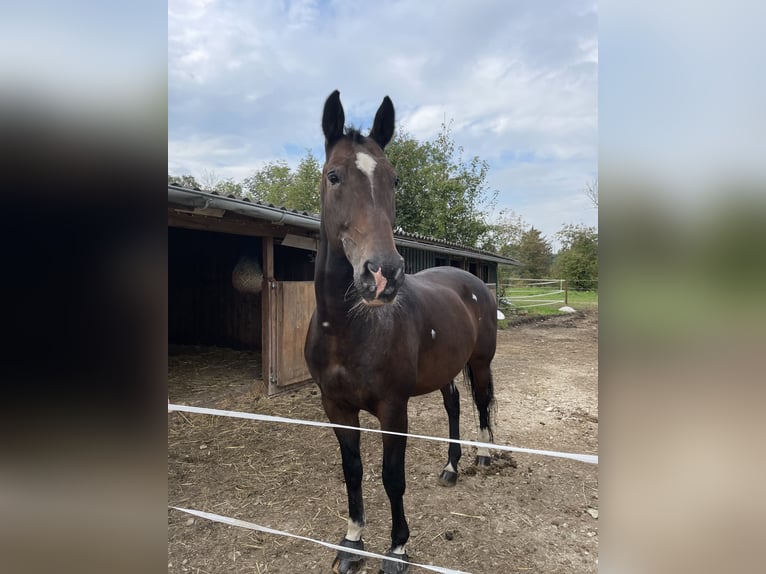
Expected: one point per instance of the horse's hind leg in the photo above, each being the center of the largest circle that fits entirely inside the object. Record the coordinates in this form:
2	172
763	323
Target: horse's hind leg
451	397
480	376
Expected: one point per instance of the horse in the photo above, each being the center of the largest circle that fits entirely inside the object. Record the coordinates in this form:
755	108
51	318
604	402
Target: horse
378	335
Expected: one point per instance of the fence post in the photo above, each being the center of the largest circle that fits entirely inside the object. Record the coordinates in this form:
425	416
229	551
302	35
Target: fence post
566	292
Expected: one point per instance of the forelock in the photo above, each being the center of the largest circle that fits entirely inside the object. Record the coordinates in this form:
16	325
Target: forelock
355	135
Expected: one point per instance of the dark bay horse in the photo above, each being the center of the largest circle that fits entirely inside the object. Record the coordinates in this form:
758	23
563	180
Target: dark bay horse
378	336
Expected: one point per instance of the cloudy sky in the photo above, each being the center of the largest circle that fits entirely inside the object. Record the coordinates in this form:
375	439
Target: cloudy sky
519	80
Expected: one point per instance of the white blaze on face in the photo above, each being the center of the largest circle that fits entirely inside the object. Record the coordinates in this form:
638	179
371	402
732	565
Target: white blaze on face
366	164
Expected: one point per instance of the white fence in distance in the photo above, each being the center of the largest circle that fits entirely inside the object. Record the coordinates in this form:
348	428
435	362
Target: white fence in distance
525	293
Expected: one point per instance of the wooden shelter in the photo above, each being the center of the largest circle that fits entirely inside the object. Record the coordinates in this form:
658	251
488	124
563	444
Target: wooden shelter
240	275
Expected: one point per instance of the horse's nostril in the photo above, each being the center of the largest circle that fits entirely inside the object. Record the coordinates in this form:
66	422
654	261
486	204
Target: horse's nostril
372	268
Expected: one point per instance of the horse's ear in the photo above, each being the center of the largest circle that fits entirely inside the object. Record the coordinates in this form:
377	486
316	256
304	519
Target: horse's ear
383	127
333	119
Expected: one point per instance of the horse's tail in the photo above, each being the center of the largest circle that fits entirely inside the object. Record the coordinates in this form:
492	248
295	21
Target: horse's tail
468	376
484	396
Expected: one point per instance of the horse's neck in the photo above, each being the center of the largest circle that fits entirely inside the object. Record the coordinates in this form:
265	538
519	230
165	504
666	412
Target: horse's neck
333	277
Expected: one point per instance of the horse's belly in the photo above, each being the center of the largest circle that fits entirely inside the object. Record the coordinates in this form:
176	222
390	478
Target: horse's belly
436	371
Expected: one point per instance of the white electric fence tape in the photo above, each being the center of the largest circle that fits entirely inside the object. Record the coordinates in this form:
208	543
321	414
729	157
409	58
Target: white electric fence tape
252	526
588	458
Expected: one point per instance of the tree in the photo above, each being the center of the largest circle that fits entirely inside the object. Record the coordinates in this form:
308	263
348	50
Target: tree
228	187
504	236
577	261
303	192
209	179
413	202
270	184
591	191
439	193
535	254
223	186
183	181
276	183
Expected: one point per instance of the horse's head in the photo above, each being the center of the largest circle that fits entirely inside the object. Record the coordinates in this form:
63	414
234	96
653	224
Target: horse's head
358	211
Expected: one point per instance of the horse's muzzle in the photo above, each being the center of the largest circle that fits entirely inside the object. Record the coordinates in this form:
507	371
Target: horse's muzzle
379	282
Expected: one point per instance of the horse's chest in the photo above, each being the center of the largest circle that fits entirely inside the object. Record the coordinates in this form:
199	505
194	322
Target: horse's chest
359	373
341	370
346	384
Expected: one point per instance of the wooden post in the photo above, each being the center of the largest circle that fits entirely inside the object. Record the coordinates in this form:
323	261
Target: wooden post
267	320
566	292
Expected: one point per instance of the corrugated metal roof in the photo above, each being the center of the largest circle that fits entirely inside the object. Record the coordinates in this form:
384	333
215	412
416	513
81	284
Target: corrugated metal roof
278	214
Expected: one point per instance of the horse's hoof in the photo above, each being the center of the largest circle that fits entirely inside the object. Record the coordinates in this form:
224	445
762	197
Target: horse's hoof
346	562
448	478
483	461
391	567
343	566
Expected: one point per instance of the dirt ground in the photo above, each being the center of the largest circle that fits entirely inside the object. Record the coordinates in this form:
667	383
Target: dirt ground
526	513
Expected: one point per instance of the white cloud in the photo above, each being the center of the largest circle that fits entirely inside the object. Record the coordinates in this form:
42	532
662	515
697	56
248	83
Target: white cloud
426	121
229	157
301	13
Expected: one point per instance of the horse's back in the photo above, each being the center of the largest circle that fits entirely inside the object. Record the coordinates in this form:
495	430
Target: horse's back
478	296
466	285
458	317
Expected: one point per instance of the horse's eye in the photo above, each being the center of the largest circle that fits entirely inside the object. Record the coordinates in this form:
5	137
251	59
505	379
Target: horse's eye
333	178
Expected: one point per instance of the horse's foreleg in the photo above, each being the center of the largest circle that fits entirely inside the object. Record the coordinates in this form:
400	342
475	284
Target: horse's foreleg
394	419
451	398
346	562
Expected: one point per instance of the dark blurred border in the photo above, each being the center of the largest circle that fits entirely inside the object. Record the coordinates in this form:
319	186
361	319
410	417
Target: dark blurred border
83	155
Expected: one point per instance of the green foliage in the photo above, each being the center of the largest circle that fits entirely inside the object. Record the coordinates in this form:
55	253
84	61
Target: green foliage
578	259
535	254
228	187
512	237
269	184
184	181
304	189
277	184
440	194
504	236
